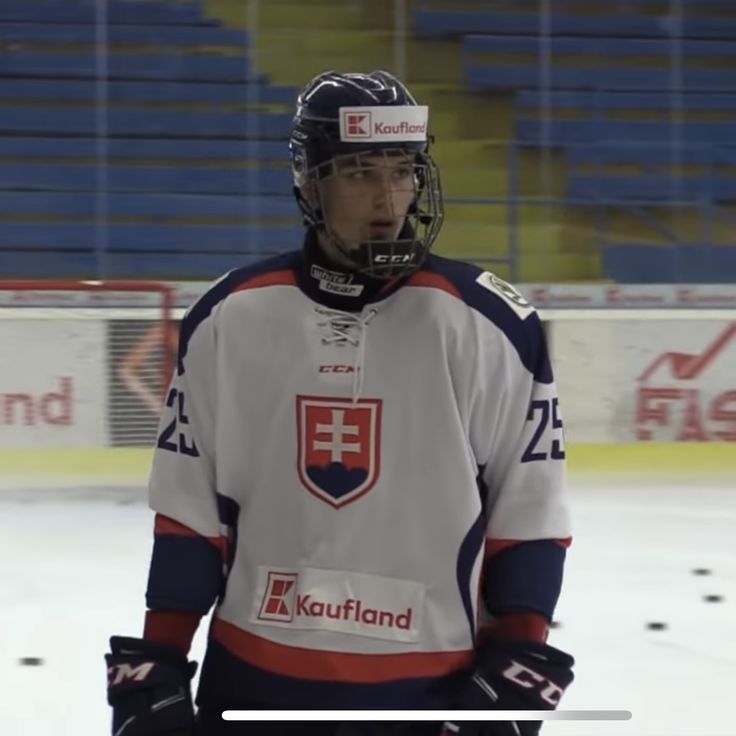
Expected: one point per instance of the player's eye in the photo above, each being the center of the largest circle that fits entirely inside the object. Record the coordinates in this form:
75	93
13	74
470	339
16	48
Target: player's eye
403	172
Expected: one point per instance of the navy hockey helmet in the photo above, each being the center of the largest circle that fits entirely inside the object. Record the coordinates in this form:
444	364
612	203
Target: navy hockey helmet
343	116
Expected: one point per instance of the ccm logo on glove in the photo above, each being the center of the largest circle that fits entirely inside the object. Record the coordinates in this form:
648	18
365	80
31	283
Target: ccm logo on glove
527	678
119	673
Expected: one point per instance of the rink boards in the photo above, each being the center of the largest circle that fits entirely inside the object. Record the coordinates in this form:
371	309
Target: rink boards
644	391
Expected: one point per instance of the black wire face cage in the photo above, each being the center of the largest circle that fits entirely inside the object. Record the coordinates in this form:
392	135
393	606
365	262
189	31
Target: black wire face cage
381	209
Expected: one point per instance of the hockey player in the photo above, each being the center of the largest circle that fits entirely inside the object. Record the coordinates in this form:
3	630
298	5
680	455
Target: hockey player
360	465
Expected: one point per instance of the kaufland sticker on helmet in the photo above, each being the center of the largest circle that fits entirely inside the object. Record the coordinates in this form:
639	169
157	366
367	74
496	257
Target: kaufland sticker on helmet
384	124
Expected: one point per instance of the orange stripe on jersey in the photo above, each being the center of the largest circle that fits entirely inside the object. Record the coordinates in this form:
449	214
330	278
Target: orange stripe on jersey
163	525
527	626
494	546
433	281
312	664
175	628
274	278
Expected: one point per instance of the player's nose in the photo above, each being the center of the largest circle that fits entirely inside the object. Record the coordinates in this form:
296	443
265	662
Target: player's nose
384	194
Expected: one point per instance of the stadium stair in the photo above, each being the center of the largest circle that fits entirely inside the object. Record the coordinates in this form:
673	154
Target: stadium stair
298	39
610	90
197	178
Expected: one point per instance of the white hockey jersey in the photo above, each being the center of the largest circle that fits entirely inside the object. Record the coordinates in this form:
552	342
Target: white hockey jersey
352	468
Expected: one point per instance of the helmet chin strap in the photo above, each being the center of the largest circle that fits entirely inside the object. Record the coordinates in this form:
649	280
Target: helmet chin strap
401	255
334	249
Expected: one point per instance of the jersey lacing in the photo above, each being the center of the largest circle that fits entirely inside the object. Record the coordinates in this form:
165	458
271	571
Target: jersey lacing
342	326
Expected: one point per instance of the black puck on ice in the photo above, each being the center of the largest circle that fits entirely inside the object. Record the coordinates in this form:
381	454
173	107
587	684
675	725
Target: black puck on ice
555	625
701	571
656	625
30	661
713	598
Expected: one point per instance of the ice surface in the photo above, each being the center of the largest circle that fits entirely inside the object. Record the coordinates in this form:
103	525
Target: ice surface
73	571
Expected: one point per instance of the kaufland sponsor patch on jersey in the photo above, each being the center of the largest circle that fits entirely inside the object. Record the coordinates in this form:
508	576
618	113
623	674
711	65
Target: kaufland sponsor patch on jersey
384	124
338	444
336	600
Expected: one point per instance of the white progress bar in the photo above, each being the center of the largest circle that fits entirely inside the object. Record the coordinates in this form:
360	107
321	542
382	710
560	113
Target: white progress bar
426	715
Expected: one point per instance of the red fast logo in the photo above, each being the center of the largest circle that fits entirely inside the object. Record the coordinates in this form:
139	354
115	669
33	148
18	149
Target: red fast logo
683	407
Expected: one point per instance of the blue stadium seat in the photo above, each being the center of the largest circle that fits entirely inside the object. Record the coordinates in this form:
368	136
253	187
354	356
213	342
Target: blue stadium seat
118	12
190	67
69	265
708	264
164	179
137	238
73	90
147	122
649	155
717	188
562	132
598	100
31	194
571	45
429	23
652	264
690	6
640	264
145	149
127	35
621	7
22	205
479	77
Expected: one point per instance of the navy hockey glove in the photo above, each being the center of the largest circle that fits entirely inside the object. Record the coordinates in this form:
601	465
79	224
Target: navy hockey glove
148	689
513	675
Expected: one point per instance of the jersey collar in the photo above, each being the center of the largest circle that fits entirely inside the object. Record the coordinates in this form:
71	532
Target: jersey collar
334	287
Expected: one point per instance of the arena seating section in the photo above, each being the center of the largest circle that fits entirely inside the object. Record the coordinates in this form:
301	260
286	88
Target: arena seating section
642	107
196	179
196	176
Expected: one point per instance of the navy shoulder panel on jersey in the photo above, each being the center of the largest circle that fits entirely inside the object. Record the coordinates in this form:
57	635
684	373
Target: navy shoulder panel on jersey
203	307
504	306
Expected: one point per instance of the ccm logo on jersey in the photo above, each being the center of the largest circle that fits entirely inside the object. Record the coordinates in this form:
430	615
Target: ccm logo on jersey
355	603
528	678
123	672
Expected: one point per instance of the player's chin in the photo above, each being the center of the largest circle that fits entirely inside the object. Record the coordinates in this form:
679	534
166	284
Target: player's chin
383	232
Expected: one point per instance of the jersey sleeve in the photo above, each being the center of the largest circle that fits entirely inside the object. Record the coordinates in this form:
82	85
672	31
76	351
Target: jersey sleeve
187	561
518	438
182	481
522	454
